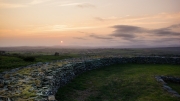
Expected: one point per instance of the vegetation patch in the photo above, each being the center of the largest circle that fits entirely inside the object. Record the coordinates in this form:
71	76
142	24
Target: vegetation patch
17	60
29	58
174	86
128	82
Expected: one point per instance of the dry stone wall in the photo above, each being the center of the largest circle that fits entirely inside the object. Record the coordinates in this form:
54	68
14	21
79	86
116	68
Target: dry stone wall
40	82
164	79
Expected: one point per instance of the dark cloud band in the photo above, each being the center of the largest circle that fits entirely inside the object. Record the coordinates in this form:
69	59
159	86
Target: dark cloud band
99	37
129	32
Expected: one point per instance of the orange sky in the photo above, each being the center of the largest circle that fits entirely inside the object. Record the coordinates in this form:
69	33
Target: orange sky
105	23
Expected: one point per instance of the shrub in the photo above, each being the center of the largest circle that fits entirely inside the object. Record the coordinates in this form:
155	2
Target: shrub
56	54
29	58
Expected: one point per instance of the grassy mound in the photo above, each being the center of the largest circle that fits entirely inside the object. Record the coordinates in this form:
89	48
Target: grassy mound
128	82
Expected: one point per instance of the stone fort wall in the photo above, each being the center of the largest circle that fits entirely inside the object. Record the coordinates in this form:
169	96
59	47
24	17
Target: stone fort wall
51	76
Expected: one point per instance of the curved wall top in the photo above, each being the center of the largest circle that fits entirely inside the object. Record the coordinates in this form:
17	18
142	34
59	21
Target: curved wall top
41	81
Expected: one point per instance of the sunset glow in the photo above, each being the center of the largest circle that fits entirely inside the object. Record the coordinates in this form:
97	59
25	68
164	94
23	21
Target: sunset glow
104	23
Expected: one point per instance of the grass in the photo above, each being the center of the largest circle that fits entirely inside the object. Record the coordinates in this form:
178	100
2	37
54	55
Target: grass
174	86
14	61
128	82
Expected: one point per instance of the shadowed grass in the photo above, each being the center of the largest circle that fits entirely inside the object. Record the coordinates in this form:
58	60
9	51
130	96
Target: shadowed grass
128	82
174	86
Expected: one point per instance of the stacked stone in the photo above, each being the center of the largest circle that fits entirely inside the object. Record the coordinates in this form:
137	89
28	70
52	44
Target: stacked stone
164	79
41	81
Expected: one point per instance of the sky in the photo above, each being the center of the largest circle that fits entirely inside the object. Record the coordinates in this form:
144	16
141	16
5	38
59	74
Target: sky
90	23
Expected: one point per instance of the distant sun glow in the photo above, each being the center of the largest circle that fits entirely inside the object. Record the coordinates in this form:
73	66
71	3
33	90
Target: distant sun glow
90	23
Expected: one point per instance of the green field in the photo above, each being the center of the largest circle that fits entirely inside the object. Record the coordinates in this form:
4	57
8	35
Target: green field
128	82
17	60
14	56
